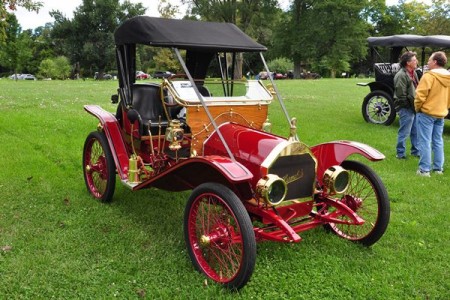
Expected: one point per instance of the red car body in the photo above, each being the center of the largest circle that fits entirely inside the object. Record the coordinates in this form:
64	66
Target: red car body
213	137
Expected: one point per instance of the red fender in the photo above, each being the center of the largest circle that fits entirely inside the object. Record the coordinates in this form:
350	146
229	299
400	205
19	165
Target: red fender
334	153
194	171
111	129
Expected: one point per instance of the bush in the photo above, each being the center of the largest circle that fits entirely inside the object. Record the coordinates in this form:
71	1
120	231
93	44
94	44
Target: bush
58	68
280	65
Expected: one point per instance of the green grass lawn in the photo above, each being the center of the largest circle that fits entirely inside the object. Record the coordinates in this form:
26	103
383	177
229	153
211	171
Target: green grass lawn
57	242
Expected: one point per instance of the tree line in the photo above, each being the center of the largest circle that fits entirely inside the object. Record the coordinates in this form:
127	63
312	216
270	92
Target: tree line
324	36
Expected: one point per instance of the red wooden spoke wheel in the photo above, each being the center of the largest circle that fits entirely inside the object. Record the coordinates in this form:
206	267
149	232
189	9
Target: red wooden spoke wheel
367	196
219	235
98	167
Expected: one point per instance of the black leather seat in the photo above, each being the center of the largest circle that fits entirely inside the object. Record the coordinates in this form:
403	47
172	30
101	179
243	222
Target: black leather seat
384	73
147	102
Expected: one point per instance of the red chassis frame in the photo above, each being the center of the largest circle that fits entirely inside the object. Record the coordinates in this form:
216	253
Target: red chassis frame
281	224
247	185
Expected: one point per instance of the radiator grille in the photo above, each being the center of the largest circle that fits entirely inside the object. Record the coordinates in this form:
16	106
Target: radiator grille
299	172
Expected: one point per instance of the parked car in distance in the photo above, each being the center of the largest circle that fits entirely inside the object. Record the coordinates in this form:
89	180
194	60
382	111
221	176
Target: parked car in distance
309	75
162	74
105	76
279	76
14	76
262	75
26	77
142	75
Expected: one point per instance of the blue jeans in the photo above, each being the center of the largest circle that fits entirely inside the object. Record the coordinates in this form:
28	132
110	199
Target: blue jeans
430	131
407	128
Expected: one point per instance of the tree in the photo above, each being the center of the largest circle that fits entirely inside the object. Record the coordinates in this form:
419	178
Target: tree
288	40
88	38
12	5
44	46
404	18
249	15
167	10
163	58
438	21
326	35
16	53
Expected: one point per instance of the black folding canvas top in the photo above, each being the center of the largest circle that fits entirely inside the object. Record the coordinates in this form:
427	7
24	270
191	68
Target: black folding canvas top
405	40
185	34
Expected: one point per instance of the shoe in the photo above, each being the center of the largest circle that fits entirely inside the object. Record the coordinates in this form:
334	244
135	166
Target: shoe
415	155
423	173
400	156
438	172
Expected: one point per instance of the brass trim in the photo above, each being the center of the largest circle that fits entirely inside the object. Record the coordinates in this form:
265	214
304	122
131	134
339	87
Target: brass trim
133	172
264	185
287	148
330	177
223	100
205	240
100	127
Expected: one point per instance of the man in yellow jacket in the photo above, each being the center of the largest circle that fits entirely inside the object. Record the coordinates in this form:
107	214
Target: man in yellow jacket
431	103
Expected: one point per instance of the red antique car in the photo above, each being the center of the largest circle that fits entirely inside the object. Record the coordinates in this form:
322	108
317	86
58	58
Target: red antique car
212	136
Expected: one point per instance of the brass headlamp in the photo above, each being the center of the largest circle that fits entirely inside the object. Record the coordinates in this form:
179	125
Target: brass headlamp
336	179
272	189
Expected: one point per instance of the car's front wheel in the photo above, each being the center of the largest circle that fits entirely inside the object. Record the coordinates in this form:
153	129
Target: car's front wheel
219	235
367	196
378	108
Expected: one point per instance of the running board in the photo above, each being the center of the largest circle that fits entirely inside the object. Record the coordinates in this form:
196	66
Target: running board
129	185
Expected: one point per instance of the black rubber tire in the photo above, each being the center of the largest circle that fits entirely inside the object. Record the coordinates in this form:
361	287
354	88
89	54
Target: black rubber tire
374	207
378	108
98	167
211	207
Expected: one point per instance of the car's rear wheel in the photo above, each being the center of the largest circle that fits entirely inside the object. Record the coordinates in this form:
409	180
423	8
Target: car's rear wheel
98	167
219	235
378	108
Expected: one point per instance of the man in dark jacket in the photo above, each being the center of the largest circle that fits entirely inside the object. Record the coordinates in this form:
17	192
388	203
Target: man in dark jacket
405	83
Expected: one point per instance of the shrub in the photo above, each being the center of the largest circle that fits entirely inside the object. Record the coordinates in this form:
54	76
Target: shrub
58	68
280	65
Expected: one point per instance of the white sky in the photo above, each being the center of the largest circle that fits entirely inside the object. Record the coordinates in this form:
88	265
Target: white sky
32	20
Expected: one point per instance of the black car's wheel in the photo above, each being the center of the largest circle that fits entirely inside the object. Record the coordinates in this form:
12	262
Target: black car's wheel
219	235
367	196
378	108
98	167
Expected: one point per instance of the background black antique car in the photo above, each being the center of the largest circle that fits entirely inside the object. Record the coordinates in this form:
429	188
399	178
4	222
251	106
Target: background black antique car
378	105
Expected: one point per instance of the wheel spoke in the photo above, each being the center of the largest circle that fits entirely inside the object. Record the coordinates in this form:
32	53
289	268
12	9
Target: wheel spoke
98	167
219	235
222	256
361	196
378	109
